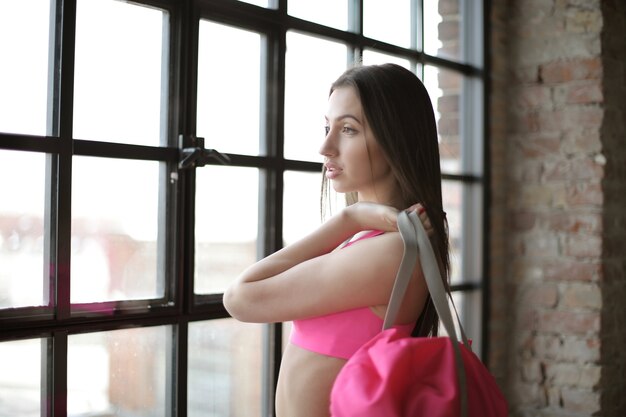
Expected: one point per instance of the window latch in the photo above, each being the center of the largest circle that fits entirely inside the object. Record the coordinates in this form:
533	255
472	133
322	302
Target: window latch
198	156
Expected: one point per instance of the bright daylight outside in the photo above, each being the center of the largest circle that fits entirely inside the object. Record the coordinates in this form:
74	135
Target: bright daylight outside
118	97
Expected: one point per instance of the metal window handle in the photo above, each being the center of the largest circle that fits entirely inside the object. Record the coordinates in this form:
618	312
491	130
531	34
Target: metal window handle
198	156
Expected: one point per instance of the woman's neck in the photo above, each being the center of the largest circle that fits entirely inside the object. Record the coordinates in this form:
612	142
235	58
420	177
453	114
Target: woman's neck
392	200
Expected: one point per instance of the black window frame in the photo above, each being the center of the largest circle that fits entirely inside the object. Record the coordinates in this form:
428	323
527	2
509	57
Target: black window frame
181	305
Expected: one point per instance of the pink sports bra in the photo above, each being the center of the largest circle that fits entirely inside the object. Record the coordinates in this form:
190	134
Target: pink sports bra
340	334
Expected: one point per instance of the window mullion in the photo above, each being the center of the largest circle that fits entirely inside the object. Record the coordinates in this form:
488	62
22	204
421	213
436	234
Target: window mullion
58	369
177	372
271	193
187	32
64	167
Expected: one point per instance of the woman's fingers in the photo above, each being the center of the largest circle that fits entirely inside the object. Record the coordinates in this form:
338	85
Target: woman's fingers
416	207
370	216
421	212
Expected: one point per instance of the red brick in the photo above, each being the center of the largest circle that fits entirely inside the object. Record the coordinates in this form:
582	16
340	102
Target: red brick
582	296
524	270
539	295
573	222
587	168
448	30
528	394
531	97
573	170
448	80
542	146
448	103
554	401
584	116
551	121
583	246
570	117
529	173
574	69
586	194
448	7
540	246
568	322
535	196
590	376
450	49
524	122
580	350
547	346
578	20
525	75
587	93
583	401
526	320
531	370
563	374
448	125
449	149
573	349
523	220
578	140
572	270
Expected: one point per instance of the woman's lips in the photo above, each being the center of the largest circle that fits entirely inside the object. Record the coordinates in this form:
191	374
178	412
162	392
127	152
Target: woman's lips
332	171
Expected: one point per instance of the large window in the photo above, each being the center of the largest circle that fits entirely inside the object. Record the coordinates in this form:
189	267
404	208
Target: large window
150	150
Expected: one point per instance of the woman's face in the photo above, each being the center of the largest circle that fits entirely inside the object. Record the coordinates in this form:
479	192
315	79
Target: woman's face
353	159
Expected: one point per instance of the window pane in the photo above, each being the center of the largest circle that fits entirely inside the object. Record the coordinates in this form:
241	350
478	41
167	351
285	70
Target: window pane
226	225
388	21
229	88
306	92
301	204
118	94
453	205
119	373
442	28
444	88
20	380
115	208
22	229
332	13
224	376
463	205
376	58
469	306
24	40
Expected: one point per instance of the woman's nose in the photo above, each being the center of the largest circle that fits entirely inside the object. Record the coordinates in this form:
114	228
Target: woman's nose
328	147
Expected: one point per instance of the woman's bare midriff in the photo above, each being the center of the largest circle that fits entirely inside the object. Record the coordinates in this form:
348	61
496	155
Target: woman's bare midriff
304	384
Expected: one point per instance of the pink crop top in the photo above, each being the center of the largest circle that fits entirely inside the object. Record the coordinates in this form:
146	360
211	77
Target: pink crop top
340	334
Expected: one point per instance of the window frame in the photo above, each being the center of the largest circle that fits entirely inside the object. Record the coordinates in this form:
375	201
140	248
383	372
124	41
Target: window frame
180	305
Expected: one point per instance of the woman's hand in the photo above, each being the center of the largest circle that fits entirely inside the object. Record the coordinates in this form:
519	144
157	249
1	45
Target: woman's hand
421	213
372	216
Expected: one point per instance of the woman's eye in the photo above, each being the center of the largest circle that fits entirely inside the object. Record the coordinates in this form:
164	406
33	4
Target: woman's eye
327	130
348	130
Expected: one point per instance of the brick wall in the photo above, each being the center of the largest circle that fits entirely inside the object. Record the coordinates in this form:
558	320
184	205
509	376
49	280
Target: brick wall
558	187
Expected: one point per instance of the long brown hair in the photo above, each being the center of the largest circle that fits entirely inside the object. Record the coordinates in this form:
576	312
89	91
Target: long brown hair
400	113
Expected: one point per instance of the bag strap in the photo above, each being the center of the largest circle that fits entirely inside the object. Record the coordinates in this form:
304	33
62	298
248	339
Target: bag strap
417	243
405	271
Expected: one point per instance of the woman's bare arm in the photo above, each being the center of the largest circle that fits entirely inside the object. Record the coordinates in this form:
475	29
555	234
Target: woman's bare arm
308	278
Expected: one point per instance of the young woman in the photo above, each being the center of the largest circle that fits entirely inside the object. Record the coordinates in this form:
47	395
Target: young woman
334	284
